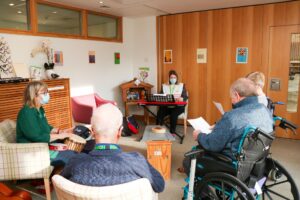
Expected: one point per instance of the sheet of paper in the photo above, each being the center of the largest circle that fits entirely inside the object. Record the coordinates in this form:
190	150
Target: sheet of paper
219	107
200	124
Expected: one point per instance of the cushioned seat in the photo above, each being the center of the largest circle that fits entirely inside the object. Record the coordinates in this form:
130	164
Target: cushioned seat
83	106
23	161
135	190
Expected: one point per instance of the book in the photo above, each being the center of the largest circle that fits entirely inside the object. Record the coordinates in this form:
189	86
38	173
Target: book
219	107
200	124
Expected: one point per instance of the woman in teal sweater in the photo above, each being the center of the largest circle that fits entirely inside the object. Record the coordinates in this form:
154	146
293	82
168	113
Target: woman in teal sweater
32	124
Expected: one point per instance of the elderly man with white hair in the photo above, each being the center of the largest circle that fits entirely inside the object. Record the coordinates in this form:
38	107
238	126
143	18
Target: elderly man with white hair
106	164
247	110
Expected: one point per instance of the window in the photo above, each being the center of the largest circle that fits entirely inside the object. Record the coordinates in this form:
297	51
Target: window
52	19
102	26
294	74
43	18
14	14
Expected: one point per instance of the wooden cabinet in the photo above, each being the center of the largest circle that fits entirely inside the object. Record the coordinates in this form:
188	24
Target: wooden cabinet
131	93
58	110
159	156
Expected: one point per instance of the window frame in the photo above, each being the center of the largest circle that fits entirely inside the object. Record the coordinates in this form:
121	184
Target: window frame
84	23
119	26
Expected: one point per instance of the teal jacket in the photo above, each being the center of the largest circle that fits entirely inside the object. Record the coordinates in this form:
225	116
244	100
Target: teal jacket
32	126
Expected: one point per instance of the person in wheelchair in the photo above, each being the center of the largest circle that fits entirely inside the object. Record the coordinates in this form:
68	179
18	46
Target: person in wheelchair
227	132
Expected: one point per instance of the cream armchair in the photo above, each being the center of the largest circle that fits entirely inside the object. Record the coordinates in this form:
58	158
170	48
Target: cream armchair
23	161
135	190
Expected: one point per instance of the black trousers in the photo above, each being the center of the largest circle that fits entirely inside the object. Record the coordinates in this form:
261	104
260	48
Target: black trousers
174	112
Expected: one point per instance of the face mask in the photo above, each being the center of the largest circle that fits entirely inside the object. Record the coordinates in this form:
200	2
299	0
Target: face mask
45	99
173	80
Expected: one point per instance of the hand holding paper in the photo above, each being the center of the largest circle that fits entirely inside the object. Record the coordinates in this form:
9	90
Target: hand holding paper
200	124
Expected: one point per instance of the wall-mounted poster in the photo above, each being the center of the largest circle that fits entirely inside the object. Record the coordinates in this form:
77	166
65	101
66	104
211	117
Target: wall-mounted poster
92	58
168	56
117	58
58	58
201	55
242	55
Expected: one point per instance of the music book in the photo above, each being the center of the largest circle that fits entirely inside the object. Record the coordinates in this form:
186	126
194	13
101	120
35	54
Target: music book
219	107
200	124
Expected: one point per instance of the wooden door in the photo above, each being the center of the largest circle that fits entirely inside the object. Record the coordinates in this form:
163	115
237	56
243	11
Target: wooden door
280	78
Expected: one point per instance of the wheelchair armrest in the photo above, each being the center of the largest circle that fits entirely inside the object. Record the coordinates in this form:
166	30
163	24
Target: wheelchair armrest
219	156
193	153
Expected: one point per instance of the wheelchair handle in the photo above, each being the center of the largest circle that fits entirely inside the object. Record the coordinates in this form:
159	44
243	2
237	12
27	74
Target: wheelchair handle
193	153
259	131
278	103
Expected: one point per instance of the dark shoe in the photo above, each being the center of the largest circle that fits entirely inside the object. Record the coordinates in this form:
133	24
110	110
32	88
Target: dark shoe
181	170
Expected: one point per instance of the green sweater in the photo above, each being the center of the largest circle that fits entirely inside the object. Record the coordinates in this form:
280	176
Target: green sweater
32	125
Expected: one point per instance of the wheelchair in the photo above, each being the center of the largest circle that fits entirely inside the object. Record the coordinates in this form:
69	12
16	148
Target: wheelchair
252	175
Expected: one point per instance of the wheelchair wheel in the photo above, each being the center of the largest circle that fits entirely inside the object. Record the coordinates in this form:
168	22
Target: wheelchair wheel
280	184
223	186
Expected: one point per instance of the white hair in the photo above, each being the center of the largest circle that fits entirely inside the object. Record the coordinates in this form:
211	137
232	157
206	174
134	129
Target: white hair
106	120
244	87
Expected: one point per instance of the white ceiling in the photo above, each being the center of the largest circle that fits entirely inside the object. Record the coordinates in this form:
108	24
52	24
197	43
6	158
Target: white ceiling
142	8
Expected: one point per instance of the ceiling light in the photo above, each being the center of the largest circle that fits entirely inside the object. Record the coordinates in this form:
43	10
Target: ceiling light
54	12
19	12
11	4
101	2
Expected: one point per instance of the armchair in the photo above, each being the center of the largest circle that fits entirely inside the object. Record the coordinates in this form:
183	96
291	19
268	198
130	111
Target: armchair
82	107
23	161
135	190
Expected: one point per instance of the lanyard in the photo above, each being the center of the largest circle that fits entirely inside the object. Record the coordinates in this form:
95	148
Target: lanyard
172	89
106	147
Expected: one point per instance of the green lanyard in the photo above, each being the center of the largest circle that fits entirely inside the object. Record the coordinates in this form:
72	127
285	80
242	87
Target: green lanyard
106	147
172	89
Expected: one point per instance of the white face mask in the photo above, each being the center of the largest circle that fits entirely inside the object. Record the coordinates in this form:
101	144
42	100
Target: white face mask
45	98
173	80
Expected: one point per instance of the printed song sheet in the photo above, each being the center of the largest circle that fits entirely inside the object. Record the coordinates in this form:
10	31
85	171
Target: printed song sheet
200	124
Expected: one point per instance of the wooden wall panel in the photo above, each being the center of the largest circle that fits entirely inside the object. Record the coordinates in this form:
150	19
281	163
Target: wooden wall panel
221	32
219	62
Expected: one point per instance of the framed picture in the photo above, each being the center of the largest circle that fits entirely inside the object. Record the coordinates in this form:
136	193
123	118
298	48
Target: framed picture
201	55
168	56
58	58
92	58
242	55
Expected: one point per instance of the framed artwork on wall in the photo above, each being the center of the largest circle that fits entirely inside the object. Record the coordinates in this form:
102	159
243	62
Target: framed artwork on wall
168	56
58	58
92	57
242	55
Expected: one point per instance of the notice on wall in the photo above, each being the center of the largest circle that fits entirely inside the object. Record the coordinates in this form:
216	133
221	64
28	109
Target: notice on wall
242	55
202	55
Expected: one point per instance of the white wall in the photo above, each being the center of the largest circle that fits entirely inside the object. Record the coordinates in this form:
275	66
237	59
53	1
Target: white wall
104	77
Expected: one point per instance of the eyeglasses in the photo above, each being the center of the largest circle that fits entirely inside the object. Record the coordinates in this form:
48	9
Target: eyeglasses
44	93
